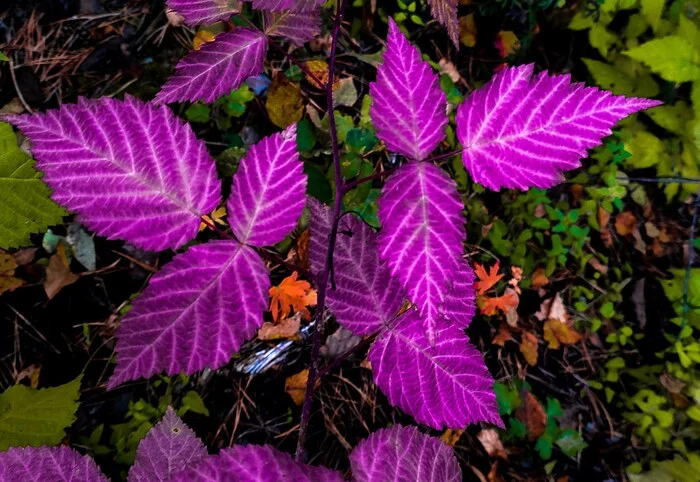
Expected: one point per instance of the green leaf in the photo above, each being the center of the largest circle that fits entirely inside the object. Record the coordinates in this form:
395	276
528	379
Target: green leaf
671	117
570	442
647	150
30	417
601	39
609	77
3	58
199	113
682	66
651	11
25	206
192	402
306	135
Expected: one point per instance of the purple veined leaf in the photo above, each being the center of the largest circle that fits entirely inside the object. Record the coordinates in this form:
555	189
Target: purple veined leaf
522	130
366	296
408	107
269	191
459	305
169	448
293	5
195	313
43	464
445	12
130	170
255	463
403	454
445	384
217	68
205	12
422	234
297	28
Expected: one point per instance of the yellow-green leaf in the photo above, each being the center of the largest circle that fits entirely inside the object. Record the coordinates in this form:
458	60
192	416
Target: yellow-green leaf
30	417
601	39
652	10
610	78
25	206
672	57
647	150
673	118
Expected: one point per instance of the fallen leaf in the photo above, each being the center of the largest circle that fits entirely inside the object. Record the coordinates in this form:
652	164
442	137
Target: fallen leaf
672	384
339	343
8	264
506	43
504	335
449	69
32	373
598	266
291	294
451	437
486	281
58	274
517	277
319	68
528	347
507	304
604	223
467	30
539	279
25	256
216	217
285	104
345	92
554	309
625	223
303	248
557	333
203	36
295	386
492	443
532	415
287	328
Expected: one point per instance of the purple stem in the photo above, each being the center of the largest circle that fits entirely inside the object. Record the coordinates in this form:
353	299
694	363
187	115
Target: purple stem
323	276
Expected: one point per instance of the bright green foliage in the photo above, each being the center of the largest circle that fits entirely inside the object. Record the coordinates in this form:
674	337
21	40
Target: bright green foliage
30	417
682	66
676	470
25	206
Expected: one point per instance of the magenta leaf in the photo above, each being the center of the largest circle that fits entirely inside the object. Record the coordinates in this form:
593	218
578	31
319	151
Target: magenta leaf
445	12
48	464
522	130
402	454
422	234
195	312
366	296
169	448
217	68
204	12
408	107
130	170
255	463
440	384
459	304
269	191
293	5
297	28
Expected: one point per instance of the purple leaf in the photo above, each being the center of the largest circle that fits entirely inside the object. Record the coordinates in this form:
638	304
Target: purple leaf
522	131
297	28
169	448
445	12
255	463
195	312
366	295
48	464
402	454
293	5
459	306
422	234
445	384
408	106
217	68
269	191
204	12
130	170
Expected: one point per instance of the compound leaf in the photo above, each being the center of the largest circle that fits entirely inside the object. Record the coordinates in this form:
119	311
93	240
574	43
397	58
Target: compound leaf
25	206
422	234
522	130
444	383
217	68
194	314
130	170
255	463
408	106
55	464
445	12
399	454
37	417
169	448
269	191
205	12
366	295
